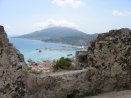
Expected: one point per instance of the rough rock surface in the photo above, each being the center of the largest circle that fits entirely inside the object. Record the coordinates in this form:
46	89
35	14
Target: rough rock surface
109	68
69	85
110	56
11	69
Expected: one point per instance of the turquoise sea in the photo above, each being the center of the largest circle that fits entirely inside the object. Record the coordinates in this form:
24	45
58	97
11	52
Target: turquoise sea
48	51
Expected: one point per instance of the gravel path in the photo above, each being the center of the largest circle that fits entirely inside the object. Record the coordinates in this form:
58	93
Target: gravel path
116	94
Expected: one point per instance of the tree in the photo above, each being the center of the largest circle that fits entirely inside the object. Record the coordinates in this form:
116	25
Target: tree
63	63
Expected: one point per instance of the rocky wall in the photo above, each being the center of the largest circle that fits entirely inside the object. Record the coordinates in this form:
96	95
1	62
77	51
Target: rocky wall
110	54
12	68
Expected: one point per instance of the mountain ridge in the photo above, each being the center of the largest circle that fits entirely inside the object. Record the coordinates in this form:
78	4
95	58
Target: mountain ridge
63	35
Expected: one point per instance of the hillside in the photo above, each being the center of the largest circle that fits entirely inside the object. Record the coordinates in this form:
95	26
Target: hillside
61	35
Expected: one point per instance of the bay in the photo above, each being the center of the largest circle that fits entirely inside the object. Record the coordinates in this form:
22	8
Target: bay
39	51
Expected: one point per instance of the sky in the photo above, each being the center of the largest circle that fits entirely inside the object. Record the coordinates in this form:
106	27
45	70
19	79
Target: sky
90	16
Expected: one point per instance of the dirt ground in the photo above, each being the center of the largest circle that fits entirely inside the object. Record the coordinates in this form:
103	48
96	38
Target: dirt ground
115	94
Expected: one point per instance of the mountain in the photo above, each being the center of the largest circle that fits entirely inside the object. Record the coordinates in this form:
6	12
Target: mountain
63	35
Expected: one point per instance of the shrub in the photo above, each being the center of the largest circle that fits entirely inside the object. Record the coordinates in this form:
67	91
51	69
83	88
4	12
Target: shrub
63	63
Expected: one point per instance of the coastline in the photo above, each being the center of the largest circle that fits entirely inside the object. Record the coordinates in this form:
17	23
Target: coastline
50	51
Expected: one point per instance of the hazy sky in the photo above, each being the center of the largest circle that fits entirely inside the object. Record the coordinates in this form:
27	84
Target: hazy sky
90	16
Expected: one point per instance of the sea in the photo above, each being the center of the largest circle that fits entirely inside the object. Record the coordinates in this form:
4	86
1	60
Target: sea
39	51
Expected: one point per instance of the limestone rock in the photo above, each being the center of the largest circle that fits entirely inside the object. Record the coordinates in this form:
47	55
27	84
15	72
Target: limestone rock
12	68
110	54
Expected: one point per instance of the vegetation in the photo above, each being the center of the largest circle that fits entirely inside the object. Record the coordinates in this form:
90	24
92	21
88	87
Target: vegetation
63	63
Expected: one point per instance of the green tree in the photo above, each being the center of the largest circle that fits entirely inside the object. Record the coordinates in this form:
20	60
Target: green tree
63	63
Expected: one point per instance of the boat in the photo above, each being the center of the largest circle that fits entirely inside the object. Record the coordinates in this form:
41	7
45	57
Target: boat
40	51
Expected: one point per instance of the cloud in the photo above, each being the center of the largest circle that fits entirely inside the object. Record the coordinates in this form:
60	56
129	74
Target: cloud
70	3
121	13
51	23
